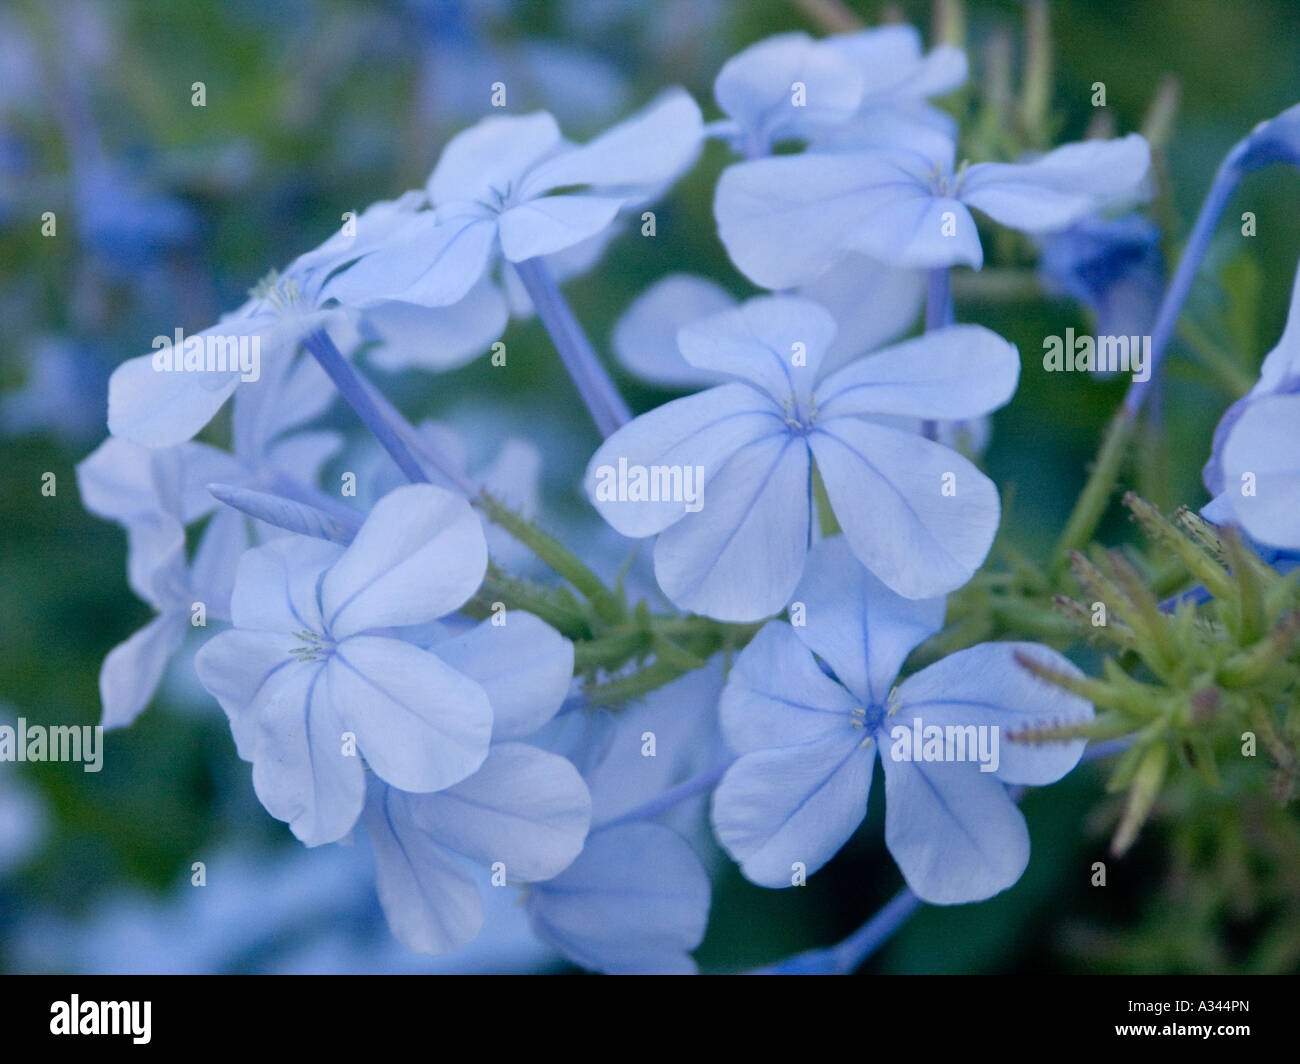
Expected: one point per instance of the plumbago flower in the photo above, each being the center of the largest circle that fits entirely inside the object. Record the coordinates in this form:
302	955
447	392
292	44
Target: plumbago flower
872	305
156	405
316	671
855	90
808	736
785	220
503	188
1253	472
916	513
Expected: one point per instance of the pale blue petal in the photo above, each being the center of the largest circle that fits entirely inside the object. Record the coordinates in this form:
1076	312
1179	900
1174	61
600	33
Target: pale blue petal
984	686
654	146
302	772
779	812
636	901
775	342
645	338
755	87
858	626
437	338
786	220
132	670
702	430
872	304
275	585
922	231
740	557
776	696
160	408
1062	186
437	260
525	666
1265	442
234	667
524	807
419	723
955	832
549	224
430	902
887	490
490	158
419	555
961	371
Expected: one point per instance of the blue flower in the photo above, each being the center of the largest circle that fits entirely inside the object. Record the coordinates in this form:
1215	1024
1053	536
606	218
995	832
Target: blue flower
525	811
785	220
313	680
872	305
808	740
1276	140
1113	266
1250	466
161	407
917	514
494	193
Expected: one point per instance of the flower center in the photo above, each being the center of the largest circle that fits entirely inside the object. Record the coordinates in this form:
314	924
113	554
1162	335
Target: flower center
800	414
945	184
311	647
282	293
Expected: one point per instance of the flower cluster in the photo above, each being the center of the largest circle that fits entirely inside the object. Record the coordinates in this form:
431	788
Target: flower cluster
390	658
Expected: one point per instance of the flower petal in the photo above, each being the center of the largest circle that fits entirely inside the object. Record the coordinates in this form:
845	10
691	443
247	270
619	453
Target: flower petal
525	666
983	685
275	585
549	224
778	809
858	626
437	338
887	489
486	160
700	432
430	902
652	147
955	832
961	371
302	771
419	723
1060	187
776	696
645	338
133	669
525	808
635	901
775	342
740	557
1262	471
419	555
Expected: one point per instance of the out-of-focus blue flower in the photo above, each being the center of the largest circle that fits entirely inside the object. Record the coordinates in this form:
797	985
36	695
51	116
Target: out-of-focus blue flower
872	305
786	220
312	679
808	742
498	191
1113	266
917	514
756	89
